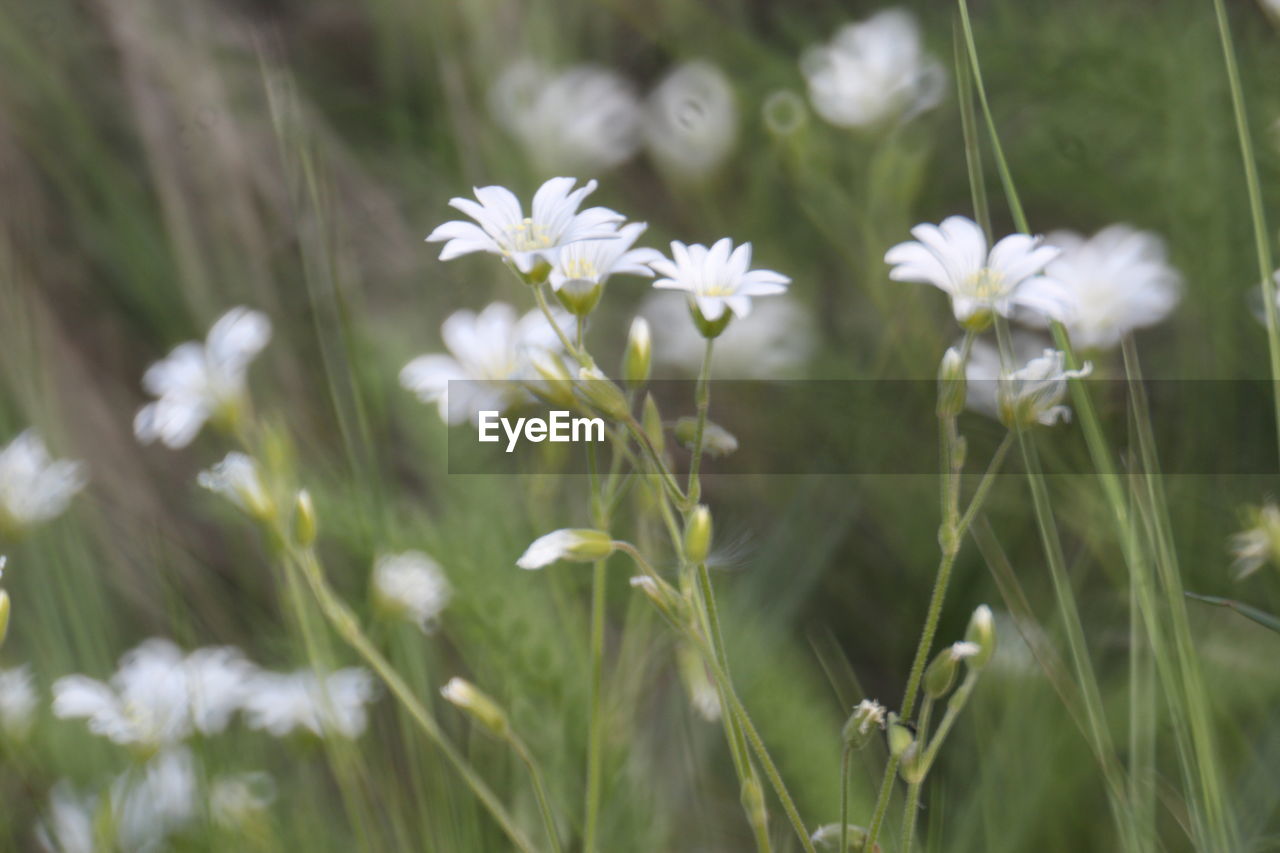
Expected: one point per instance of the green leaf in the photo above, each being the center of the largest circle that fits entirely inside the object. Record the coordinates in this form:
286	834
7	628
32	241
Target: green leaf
1260	616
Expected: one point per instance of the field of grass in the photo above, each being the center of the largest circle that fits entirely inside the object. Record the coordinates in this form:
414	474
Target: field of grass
164	162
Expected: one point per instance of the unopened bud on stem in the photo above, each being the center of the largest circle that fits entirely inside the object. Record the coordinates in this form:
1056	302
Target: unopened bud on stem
304	519
982	634
477	705
697	535
638	358
951	384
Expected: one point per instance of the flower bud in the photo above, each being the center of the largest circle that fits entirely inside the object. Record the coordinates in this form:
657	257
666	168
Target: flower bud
477	705
753	801
573	545
638	358
941	674
951	384
4	616
239	479
716	440
537	273
902	736
601	393
709	328
867	716
982	634
580	296
669	604
651	421
556	384
304	519
827	837
697	535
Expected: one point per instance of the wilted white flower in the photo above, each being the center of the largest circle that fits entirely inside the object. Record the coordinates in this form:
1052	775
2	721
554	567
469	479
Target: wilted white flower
34	488
158	696
702	694
1119	279
873	71
412	584
197	382
953	257
490	350
1030	394
501	228
775	341
236	799
692	121
587	264
238	479
960	650
1260	543
584	118
17	701
333	703
718	280
574	545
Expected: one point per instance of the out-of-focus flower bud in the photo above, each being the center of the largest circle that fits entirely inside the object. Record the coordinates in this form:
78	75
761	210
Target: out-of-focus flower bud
716	440
753	801
573	545
304	519
709	328
638	358
697	535
601	393
867	717
652	424
901	736
668	602
477	705
556	383
4	616
827	837
951	384
580	296
982	634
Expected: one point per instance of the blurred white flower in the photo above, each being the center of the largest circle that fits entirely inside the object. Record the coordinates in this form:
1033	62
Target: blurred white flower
488	353
588	264
691	121
33	487
333	703
158	695
413	585
1119	279
199	382
238	479
718	279
873	71
585	118
1257	299
525	241
234	800
574	545
17	701
1030	394
774	342
69	825
953	257
1260	543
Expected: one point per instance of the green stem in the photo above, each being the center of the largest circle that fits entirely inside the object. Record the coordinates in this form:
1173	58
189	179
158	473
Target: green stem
578	354
539	791
845	755
702	397
912	806
595	737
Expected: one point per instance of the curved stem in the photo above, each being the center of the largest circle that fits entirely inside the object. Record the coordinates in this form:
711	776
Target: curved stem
539	791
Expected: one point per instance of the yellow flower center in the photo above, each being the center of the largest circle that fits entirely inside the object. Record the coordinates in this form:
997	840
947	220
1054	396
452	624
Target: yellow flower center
579	268
985	286
527	236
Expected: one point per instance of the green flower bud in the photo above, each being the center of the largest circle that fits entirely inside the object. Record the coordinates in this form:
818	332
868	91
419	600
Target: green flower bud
981	633
902	736
4	616
556	383
580	296
697	535
601	393
477	705
668	602
951	384
638	358
651	421
867	716
941	674
709	328
753	801
716	440
304	519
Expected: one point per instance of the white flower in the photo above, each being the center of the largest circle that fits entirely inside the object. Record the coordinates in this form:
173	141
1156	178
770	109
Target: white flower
490	351
575	545
33	487
868	714
584	118
717	279
412	584
1257	299
960	650
198	382
158	696
504	230
589	263
17	701
953	257
334	703
1030	394
1119	280
69	825
151	803
238	479
236	799
692	121
872	71
775	341
1260	543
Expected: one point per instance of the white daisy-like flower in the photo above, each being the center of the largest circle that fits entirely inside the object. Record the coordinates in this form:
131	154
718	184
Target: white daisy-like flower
501	227
198	382
1027	395
239	479
17	701
588	264
1260	543
584	118
158	696
68	826
34	487
719	280
692	121
873	71
953	257
1119	279
332	703
489	353
413	585
574	545
775	341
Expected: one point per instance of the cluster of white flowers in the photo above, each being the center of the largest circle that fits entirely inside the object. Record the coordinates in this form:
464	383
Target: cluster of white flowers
160	696
590	118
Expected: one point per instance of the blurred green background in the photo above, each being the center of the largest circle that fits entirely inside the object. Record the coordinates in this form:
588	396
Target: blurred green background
161	161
